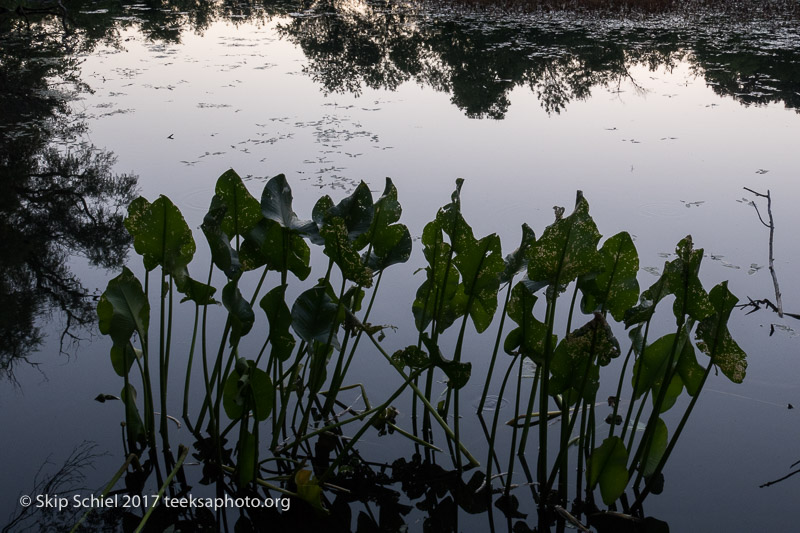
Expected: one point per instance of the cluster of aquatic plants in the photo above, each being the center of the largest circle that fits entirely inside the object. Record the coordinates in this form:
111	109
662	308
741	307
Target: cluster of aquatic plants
274	405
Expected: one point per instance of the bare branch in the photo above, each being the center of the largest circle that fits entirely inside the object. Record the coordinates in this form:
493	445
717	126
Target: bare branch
771	226
787	476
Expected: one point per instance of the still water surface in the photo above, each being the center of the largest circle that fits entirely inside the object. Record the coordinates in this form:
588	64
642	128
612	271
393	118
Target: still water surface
661	122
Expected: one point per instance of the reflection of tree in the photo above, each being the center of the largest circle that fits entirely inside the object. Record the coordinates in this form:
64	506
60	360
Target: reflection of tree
55	201
752	76
479	58
383	45
70	204
59	198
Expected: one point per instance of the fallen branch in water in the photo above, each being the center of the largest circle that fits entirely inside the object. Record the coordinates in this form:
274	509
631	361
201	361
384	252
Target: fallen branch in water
756	305
787	476
778	303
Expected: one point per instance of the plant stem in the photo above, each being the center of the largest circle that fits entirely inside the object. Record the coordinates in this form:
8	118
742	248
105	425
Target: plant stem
431	409
496	418
181	458
495	350
128	460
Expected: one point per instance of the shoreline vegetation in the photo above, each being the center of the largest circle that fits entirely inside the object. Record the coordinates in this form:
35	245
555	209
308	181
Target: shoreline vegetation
741	9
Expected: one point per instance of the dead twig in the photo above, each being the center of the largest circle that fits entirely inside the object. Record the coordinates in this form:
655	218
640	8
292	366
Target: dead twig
755	305
771	226
774	481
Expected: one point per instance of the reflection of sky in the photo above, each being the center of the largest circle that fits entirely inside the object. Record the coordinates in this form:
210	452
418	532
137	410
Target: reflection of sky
663	159
662	163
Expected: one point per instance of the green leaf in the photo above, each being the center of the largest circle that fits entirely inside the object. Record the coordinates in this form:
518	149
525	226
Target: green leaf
680	279
318	367
457	372
243	210
309	490
391	246
608	468
137	223
637	339
225	257
615	287
480	264
123	356
658	446
440	295
233	400
318	216
410	356
648	301
356	211
247	389
250	256
690	297
276	205
530	337
517	261
315	317
651	369
567	249
352	300
391	243
339	247
690	372
674	390
277	247
280	319
133	422
123	309
160	234
239	310
195	291
578	357
715	340
386	211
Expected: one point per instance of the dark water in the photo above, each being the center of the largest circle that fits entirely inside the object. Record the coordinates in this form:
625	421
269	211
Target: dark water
659	119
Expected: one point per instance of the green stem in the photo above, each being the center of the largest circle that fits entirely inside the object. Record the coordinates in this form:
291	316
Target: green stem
343	455
181	458
663	461
495	351
147	383
364	321
131	457
496	419
285	393
431	409
618	396
646	443
189	370
544	393
636	381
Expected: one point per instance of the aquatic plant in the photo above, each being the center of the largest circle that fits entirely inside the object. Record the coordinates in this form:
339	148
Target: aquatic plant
277	403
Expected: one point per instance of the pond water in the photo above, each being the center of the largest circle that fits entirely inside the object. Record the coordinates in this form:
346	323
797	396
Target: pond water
661	120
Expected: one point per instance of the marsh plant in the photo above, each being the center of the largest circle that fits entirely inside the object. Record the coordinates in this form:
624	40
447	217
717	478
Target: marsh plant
562	299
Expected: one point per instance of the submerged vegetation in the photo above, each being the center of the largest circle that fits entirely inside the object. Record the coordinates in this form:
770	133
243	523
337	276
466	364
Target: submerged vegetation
283	421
